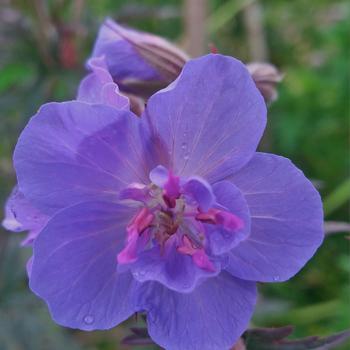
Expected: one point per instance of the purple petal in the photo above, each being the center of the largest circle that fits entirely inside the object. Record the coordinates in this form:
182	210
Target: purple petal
210	119
230	198
98	86
72	152
75	266
287	220
165	179
212	317
122	59
21	215
135	192
159	175
200	191
29	266
174	270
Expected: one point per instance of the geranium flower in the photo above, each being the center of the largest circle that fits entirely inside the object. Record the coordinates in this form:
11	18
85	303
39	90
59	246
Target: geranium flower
173	214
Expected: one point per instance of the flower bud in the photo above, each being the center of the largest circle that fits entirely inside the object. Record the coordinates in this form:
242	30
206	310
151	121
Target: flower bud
266	76
142	63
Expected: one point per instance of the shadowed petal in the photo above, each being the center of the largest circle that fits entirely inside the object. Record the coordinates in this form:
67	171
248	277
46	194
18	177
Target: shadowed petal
210	119
287	220
229	197
72	152
121	56
200	191
212	317
74	266
29	266
20	215
171	268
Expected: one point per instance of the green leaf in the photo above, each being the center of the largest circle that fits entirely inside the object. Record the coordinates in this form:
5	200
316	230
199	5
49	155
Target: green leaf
14	74
337	198
225	13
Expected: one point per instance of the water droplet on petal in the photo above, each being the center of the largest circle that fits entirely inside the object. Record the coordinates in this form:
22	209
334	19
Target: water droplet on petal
186	285
276	278
88	319
217	238
139	274
184	145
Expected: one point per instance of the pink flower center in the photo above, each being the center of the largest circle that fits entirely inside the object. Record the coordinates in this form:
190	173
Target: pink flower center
171	209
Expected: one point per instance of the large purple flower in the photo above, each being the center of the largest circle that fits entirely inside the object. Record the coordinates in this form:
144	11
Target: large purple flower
173	214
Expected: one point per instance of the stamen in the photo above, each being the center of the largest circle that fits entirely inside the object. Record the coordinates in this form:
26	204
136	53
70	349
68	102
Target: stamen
229	220
136	227
170	202
171	190
129	253
199	256
142	220
221	217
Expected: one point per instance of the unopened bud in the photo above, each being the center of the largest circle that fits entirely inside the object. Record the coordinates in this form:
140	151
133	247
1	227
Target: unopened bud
137	104
266	77
239	345
142	63
139	62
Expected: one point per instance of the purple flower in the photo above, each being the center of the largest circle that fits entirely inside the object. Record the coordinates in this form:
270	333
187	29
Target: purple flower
174	214
266	77
99	87
139	62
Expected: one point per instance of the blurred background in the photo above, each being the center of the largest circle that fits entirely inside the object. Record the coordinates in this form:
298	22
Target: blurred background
44	45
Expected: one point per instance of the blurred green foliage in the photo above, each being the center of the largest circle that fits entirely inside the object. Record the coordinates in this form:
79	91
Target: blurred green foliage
44	46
